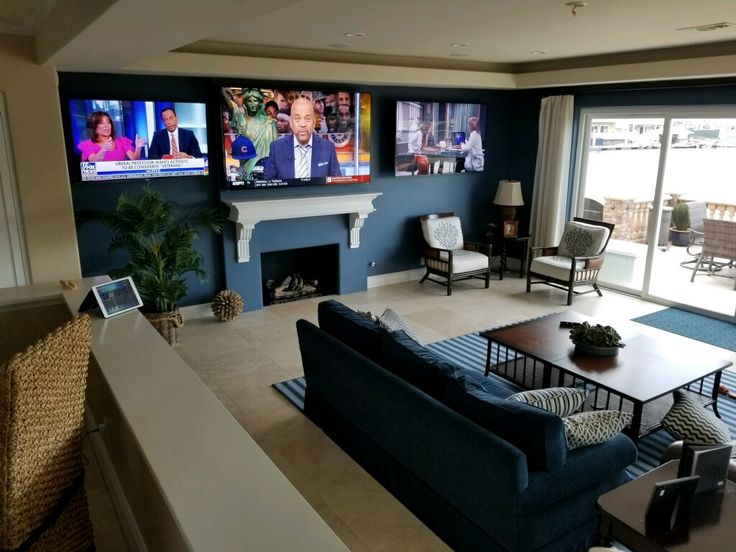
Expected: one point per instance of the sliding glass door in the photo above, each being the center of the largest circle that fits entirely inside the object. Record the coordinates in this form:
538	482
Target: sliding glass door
633	169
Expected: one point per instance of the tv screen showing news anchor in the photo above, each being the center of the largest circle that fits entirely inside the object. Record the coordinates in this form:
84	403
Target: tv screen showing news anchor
284	138
122	139
439	137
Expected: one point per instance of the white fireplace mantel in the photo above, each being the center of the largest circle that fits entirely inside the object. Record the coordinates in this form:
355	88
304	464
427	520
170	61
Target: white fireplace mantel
246	214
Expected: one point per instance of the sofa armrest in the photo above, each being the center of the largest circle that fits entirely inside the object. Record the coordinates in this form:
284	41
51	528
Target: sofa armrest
584	468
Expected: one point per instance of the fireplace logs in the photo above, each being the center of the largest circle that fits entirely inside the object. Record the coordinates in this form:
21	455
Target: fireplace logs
291	288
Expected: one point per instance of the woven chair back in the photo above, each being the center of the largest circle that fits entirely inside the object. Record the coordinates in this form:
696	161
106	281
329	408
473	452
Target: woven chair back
42	392
719	239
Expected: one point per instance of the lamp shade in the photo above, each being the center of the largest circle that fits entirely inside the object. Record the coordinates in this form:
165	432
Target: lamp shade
509	193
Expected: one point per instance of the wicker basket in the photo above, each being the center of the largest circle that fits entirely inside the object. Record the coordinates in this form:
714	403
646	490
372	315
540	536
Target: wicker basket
167	324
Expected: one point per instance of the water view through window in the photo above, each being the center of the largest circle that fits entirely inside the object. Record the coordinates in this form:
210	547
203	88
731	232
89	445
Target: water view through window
624	162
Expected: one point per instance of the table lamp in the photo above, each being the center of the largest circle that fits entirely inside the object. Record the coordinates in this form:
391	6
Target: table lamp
509	197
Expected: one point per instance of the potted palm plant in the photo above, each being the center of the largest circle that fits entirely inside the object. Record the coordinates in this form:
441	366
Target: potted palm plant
158	238
680	231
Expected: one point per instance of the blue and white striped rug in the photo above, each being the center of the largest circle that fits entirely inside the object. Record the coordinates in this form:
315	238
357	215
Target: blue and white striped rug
470	351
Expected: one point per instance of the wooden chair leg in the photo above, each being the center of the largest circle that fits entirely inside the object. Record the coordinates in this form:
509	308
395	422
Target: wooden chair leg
488	278
449	286
569	296
597	290
424	278
528	282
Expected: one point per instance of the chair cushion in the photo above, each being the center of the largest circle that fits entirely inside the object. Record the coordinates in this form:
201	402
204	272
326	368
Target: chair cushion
443	233
582	240
555	266
466	261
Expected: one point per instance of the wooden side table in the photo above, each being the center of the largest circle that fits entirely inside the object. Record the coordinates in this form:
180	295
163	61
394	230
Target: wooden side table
711	525
514	245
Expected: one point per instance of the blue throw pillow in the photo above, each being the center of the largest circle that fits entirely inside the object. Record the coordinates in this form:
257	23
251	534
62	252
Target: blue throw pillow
539	434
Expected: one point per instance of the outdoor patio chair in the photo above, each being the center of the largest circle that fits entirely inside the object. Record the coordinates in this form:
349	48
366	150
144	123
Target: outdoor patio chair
448	256
575	262
719	242
697	211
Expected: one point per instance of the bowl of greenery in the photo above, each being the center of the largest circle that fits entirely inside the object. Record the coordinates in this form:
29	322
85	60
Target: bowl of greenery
596	339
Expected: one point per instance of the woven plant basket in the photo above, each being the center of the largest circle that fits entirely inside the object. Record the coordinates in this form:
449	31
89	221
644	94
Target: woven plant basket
167	324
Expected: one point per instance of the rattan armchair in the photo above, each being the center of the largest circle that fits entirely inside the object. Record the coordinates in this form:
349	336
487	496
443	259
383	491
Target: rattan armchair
575	262
719	242
43	505
448	256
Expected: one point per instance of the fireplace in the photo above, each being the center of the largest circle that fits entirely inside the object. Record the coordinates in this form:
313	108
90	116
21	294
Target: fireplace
293	274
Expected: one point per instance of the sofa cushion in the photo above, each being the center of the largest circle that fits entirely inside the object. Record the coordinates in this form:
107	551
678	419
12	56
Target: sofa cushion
562	401
353	329
415	364
591	428
689	420
537	433
392	322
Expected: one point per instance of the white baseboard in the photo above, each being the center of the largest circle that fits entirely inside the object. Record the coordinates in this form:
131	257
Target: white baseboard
130	528
379	280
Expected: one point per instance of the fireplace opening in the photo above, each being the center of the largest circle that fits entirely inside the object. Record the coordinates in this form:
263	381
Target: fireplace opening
294	274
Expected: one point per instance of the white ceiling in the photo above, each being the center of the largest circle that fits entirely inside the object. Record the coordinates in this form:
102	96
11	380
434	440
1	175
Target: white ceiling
500	34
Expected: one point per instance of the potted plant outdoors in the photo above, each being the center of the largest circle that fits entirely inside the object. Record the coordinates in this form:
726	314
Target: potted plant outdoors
680	231
596	340
158	238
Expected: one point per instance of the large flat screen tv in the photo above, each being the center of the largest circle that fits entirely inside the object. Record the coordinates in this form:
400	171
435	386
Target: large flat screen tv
122	139
439	137
276	138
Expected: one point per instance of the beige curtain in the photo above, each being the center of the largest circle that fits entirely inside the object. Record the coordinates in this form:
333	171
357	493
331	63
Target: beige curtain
552	171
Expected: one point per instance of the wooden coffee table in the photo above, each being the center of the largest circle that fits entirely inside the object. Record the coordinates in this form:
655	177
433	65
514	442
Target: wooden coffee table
710	525
653	364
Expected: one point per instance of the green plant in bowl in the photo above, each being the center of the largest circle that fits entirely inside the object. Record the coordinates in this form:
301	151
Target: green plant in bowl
596	339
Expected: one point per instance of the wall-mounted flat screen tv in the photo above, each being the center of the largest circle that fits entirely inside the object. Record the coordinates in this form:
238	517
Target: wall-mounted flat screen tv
122	139
439	137
277	138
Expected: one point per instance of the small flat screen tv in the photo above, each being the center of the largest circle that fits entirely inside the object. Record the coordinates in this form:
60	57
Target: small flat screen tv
275	138
123	139
439	137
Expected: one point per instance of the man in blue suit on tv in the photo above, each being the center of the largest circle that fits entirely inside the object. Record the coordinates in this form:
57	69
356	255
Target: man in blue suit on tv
172	141
301	154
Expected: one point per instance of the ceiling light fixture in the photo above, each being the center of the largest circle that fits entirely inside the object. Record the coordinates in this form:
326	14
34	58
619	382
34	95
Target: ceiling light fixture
538	52
708	27
574	6
459	44
354	35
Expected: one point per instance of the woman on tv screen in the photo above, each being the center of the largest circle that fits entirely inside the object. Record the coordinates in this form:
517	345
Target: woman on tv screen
103	145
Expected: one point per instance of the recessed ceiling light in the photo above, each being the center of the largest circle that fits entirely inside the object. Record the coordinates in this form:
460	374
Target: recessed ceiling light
338	45
538	52
459	44
708	27
354	35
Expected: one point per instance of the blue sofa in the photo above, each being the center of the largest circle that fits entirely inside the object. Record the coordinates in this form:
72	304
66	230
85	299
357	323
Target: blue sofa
482	472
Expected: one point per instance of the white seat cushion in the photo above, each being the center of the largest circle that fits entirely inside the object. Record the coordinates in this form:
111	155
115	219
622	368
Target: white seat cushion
555	266
582	240
466	261
443	233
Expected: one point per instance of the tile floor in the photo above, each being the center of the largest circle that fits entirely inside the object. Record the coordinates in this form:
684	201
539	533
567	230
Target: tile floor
240	360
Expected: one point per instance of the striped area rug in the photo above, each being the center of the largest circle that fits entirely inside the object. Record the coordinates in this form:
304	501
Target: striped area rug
470	351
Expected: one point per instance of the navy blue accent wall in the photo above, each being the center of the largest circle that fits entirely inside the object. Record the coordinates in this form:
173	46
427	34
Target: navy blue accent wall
92	238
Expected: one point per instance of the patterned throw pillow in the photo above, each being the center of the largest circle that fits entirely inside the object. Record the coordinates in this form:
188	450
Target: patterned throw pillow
562	401
392	322
443	233
689	420
582	240
591	428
